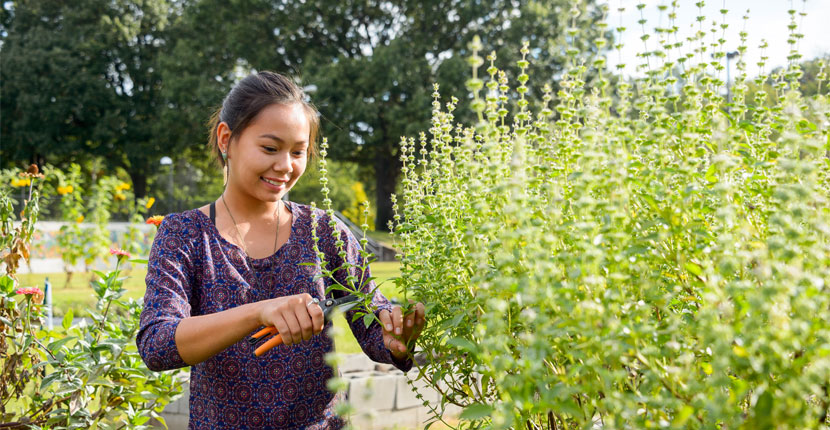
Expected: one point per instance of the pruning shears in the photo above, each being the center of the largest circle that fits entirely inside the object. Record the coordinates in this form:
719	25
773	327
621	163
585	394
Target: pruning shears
328	305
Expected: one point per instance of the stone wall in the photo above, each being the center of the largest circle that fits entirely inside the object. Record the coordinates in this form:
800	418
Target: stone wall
380	394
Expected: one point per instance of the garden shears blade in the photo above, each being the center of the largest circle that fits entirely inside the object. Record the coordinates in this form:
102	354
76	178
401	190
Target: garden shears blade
342	304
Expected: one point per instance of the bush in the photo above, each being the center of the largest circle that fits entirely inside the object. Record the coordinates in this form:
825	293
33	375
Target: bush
86	375
644	255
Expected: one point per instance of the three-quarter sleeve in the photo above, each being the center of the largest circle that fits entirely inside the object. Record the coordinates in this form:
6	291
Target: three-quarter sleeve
168	295
370	338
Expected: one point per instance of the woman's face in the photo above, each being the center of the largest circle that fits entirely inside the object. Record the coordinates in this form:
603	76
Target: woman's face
269	156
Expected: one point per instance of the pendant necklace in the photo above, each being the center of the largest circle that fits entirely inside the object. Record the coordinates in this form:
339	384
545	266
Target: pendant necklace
278	216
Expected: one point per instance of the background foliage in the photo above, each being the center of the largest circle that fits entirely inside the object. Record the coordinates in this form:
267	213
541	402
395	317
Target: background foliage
85	374
129	82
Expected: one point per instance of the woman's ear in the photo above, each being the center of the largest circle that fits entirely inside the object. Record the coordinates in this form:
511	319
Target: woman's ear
223	136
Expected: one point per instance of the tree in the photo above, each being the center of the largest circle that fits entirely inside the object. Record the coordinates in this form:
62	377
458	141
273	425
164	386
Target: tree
373	63
373	95
53	97
83	80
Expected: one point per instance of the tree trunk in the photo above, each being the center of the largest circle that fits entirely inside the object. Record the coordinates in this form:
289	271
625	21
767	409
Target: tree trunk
387	170
139	178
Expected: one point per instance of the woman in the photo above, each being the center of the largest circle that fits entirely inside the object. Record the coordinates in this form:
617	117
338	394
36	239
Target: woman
221	272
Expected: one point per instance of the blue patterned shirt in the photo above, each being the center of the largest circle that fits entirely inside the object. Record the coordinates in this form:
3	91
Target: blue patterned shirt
193	271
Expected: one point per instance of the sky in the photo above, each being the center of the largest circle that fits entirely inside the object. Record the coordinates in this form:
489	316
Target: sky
768	19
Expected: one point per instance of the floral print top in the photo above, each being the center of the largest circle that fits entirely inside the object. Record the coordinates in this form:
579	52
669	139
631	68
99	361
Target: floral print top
193	270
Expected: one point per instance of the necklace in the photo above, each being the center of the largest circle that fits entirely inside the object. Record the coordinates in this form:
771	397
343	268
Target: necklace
278	213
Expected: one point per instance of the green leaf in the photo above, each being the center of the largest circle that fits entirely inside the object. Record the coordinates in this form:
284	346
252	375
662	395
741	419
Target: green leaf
67	319
138	261
682	416
803	126
476	411
49	379
711	174
694	269
56	345
367	319
160	419
570	407
463	344
762	412
6	284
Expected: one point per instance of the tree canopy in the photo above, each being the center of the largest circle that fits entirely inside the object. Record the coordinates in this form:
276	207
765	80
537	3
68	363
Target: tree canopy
133	80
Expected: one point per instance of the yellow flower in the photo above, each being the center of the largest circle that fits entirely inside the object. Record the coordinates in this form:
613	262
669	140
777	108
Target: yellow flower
66	190
80	219
120	197
150	202
122	187
25	182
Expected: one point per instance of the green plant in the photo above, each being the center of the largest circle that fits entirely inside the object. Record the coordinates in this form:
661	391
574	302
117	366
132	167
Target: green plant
641	255
107	196
85	375
354	275
69	238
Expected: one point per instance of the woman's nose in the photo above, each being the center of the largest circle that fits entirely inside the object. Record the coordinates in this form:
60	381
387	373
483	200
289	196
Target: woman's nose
282	163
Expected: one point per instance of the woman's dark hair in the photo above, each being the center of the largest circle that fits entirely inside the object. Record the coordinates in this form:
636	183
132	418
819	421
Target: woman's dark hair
253	94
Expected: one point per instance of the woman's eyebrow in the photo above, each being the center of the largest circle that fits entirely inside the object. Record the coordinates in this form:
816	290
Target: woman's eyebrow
278	139
271	136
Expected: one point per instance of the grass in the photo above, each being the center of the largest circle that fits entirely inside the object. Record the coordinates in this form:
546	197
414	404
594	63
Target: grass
383	237
77	294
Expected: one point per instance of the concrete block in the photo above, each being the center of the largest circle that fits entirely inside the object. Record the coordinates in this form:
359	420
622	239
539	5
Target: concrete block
383	367
375	392
356	363
406	396
184	403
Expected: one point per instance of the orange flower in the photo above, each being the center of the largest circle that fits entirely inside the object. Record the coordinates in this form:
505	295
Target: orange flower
155	220
80	219
34	292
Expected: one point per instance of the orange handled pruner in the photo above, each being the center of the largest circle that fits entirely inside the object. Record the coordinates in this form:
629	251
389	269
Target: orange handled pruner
343	303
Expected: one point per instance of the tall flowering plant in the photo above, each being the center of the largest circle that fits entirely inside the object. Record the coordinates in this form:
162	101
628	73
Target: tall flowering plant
356	274
634	255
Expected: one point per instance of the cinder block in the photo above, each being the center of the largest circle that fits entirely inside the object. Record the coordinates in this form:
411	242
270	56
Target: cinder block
406	396
375	392
383	367
184	403
356	363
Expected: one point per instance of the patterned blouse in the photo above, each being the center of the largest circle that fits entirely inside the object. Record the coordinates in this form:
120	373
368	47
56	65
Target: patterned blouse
193	271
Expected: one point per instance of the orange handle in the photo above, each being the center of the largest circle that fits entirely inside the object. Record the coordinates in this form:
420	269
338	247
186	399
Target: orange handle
263	332
274	341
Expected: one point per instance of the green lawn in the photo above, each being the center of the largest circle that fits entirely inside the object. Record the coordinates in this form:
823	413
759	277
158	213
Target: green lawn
78	295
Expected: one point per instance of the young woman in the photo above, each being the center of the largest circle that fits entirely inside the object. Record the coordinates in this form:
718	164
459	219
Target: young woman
221	272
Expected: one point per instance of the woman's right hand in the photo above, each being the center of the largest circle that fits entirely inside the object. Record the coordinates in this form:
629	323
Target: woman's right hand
295	319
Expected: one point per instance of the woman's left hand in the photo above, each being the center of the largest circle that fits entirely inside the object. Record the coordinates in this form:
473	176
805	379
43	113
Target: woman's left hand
400	330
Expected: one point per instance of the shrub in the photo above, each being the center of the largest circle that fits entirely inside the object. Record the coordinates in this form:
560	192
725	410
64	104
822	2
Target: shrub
641	255
85	375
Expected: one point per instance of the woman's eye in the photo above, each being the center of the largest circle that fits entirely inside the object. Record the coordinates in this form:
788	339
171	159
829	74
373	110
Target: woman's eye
299	153
270	149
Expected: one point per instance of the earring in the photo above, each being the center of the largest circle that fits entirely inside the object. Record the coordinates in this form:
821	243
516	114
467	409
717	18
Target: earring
225	169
